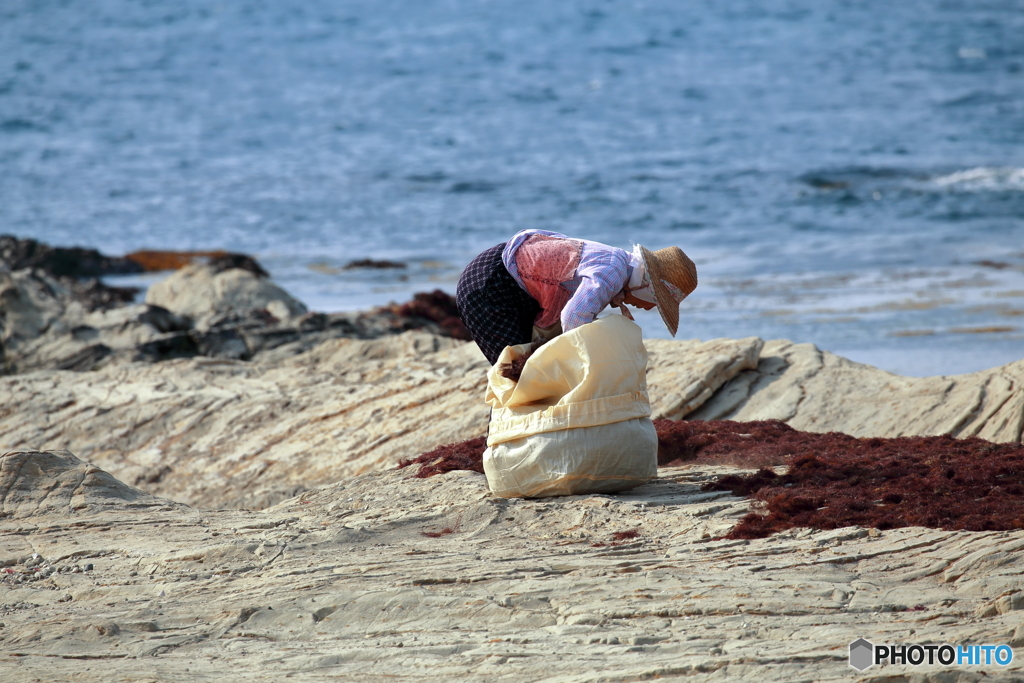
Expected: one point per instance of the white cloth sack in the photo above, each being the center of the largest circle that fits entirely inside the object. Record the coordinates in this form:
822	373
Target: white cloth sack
578	420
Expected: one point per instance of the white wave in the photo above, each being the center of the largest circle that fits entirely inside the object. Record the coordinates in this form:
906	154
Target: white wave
983	179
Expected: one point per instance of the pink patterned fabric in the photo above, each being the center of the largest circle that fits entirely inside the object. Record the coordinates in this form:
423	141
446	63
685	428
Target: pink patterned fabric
544	263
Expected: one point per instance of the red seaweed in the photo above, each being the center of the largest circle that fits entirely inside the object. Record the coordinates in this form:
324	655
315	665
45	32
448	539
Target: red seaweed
618	538
765	443
514	370
833	480
465	455
438	534
438	306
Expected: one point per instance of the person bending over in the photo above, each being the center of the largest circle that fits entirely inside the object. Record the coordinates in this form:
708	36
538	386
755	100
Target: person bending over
541	283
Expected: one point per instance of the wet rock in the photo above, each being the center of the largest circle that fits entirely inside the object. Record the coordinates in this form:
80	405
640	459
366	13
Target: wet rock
73	262
227	261
371	263
181	345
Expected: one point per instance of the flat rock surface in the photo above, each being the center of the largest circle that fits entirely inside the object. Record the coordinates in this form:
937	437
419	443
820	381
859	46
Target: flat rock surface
386	576
216	433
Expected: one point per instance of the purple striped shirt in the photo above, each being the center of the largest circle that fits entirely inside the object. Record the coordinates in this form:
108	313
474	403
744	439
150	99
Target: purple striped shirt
602	273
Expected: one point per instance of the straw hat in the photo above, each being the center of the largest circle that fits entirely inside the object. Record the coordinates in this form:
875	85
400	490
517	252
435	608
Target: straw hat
673	276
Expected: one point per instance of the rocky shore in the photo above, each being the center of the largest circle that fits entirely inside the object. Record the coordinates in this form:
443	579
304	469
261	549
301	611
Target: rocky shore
205	483
56	314
356	581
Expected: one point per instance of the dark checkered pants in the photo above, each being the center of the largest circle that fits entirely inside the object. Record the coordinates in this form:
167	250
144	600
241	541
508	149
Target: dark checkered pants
494	308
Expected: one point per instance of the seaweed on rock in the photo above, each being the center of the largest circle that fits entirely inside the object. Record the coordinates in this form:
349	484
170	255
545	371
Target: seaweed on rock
437	306
831	480
764	443
835	480
465	455
744	444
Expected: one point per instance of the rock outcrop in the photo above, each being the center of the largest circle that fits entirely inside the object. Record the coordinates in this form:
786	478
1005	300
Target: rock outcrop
56	314
359	581
60	262
203	294
218	432
222	309
818	391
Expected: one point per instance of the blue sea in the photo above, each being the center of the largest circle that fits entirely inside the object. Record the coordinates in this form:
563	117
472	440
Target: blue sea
846	173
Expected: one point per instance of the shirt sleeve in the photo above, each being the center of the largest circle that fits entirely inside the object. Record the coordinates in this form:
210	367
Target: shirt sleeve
602	275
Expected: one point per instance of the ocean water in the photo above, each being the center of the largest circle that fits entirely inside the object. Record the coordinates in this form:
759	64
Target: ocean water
846	173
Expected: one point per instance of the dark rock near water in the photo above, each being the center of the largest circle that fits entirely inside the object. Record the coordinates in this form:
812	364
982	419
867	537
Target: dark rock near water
371	263
163	320
180	345
96	295
225	307
16	254
227	261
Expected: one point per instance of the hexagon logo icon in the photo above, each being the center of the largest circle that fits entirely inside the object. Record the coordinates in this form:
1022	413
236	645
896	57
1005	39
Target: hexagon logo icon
862	654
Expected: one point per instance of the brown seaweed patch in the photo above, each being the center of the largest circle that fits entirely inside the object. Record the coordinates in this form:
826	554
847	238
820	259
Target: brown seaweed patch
835	480
155	260
152	260
618	538
514	370
465	455
438	534
437	306
764	443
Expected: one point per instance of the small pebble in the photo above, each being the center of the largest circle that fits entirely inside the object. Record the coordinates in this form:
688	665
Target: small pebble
88	567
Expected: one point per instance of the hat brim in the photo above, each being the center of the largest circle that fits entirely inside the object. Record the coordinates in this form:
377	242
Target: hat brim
668	304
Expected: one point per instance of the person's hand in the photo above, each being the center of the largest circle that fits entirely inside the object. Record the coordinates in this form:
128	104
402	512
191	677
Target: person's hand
619	301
